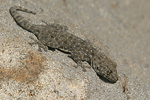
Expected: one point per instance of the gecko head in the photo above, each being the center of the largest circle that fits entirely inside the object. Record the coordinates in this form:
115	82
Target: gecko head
106	68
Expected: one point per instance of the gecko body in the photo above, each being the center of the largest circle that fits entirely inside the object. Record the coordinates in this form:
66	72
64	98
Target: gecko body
56	36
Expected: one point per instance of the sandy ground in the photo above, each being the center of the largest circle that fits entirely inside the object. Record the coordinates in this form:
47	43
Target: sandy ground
123	26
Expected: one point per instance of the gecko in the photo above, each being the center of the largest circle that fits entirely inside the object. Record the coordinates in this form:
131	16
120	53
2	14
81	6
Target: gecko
56	36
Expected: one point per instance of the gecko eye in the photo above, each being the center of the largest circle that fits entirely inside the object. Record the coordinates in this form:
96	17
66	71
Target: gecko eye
109	72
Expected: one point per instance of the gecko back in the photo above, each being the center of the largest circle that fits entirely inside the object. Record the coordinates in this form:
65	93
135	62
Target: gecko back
21	21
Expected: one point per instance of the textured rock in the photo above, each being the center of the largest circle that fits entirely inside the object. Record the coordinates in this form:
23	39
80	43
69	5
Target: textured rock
122	25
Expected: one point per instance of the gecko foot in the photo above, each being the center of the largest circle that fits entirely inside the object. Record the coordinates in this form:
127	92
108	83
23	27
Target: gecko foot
82	65
41	46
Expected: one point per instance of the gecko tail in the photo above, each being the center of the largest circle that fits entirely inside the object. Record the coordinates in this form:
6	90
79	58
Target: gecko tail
20	20
19	8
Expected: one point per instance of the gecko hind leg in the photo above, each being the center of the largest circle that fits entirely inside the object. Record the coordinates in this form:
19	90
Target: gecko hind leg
45	22
56	24
82	65
41	46
55	21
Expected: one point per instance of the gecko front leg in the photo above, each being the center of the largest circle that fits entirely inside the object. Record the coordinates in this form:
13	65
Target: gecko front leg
80	61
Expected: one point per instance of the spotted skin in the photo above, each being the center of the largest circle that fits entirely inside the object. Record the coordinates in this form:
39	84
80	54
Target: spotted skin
56	36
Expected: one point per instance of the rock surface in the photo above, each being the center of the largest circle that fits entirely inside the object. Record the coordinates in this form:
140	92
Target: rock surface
27	74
